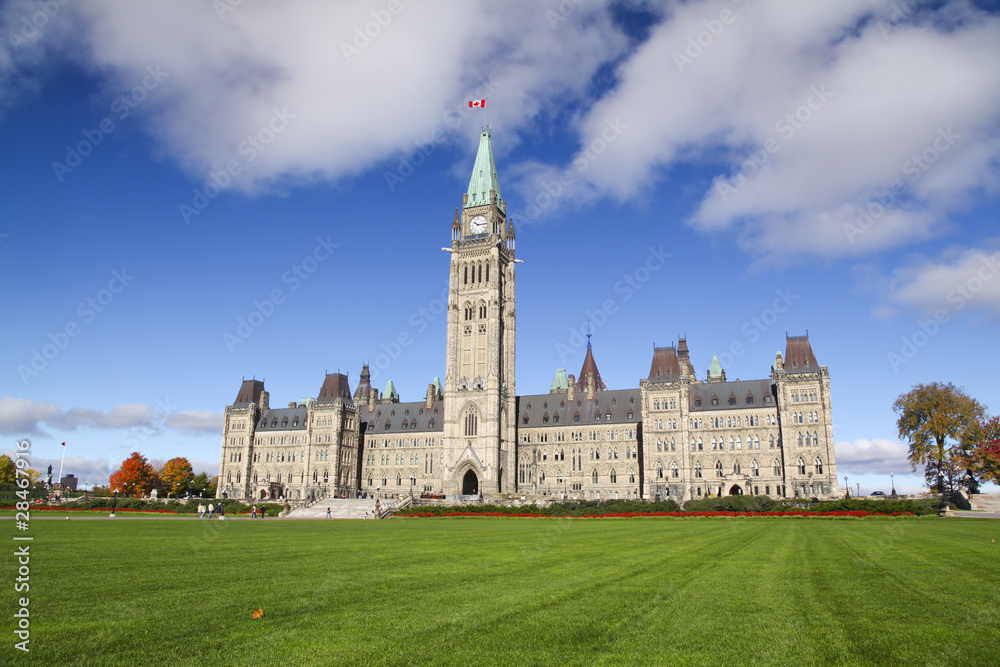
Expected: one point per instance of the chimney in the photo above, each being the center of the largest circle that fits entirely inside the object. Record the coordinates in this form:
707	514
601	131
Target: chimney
372	399
431	395
571	392
293	404
590	386
265	400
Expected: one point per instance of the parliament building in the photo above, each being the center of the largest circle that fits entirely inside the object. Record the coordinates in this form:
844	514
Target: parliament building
674	436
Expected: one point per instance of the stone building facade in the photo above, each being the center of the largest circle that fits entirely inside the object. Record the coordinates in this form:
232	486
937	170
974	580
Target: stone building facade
674	436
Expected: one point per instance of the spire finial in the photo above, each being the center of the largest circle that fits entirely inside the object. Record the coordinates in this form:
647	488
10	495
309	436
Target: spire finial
588	333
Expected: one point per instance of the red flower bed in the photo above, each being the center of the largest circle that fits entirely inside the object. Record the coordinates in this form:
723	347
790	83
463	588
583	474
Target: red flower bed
682	515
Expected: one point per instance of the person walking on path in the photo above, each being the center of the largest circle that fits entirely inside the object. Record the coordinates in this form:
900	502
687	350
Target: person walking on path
328	513
253	512
211	508
263	510
201	510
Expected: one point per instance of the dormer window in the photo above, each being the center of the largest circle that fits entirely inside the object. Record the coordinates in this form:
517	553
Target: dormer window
715	400
697	402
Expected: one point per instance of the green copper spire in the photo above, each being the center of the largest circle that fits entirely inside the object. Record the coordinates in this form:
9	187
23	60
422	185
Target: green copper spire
484	175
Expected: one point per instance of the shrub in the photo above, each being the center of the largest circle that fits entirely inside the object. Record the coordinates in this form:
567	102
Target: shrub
733	504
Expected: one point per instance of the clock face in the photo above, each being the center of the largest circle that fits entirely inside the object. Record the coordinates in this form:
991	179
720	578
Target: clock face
478	224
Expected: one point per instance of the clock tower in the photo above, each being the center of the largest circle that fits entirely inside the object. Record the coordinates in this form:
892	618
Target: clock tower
478	446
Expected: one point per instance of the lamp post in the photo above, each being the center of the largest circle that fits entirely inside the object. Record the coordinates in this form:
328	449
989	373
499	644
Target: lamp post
892	483
222	505
114	504
848	487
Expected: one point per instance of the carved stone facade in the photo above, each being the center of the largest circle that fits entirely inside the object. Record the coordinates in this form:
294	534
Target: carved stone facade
672	437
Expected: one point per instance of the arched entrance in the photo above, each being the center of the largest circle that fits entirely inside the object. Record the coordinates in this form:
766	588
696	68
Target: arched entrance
735	490
470	484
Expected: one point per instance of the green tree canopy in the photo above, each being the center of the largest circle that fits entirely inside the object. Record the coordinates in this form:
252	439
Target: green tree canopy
937	420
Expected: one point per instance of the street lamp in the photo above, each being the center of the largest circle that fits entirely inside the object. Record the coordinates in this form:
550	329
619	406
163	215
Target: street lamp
222	505
114	504
848	487
892	483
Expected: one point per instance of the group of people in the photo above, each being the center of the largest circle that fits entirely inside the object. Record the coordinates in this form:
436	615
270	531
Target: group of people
211	511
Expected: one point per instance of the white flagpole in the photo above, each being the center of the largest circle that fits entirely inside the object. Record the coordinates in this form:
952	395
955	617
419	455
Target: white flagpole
61	463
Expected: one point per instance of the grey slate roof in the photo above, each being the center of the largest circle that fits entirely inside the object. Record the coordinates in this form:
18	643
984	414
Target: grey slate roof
560	411
284	419
737	388
415	415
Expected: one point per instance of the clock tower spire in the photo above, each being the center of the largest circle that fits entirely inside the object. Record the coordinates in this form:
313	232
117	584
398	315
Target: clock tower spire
479	441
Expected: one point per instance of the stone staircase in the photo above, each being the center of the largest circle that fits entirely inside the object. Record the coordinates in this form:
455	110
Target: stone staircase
986	502
343	508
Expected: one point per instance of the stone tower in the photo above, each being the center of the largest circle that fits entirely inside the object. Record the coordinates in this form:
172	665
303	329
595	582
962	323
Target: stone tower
478	444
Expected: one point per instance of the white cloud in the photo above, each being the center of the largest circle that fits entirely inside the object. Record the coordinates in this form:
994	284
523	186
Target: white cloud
960	280
833	110
22	416
356	100
96	472
879	455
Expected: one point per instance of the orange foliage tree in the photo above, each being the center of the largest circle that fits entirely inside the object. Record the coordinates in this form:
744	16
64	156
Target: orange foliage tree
135	476
176	476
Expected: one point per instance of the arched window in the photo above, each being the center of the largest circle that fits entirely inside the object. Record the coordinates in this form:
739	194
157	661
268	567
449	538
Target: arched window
672	448
674	470
776	468
816	438
482	310
593	476
808	439
756	442
737	468
732	442
659	470
739	443
754	468
465	278
718	469
699	444
770	442
697	468
631	476
614	477
801	466
818	466
800	439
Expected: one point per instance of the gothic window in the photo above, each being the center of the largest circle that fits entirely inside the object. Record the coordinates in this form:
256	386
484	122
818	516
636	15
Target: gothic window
591	453
614	477
697	469
737	468
715	445
739	443
465	278
770	442
800	439
631	476
776	468
808	439
659	470
616	452
593	477
674	470
818	466
816	438
482	310
756	442
732	442
672	447
487	271
801	466
754	468
699	445
399	479
718	469
468	311
471	423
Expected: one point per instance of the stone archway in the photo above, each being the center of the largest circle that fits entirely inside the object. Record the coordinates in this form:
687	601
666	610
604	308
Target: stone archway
735	490
470	483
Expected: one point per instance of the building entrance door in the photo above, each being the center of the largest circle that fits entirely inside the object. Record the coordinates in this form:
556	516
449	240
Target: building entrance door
470	484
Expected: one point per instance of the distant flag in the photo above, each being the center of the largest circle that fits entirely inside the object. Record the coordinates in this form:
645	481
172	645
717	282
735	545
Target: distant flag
477	103
64	444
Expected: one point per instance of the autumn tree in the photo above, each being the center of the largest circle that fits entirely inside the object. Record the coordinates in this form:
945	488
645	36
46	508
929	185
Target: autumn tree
176	476
984	451
937	420
135	476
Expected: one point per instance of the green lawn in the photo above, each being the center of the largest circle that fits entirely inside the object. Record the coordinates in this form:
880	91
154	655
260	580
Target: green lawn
485	591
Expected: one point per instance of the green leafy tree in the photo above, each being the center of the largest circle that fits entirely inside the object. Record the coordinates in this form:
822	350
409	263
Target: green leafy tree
134	477
938	420
176	476
213	484
199	484
8	471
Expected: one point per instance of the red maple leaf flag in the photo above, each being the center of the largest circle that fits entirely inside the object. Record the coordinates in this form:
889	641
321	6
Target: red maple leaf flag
64	444
477	103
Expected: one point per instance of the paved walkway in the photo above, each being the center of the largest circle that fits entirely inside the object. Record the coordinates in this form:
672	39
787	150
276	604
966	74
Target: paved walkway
977	515
340	508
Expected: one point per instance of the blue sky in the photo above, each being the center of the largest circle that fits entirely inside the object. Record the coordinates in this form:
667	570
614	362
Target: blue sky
824	166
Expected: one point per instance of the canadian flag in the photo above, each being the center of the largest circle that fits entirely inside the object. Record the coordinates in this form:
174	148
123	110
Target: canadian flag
477	103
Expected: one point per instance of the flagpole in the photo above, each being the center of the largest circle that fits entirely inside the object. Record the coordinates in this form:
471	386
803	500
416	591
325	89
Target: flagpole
63	460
